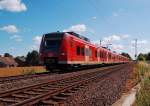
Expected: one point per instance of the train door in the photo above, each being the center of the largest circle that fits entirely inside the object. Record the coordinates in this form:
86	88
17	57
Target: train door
98	55
86	54
71	54
107	56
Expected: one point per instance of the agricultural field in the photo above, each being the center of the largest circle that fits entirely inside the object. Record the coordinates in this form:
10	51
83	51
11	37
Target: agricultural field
14	71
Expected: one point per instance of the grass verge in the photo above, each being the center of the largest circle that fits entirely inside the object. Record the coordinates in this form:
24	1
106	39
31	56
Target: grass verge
142	75
14	71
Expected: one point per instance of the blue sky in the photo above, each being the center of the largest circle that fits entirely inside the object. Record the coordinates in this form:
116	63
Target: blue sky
119	22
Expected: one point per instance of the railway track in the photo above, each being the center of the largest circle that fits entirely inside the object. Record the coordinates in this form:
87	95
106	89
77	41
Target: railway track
52	92
21	77
24	77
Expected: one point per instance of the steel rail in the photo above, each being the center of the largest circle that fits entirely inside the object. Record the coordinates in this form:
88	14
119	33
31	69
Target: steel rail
75	81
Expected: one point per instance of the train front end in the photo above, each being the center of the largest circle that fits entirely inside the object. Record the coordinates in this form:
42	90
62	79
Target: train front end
50	48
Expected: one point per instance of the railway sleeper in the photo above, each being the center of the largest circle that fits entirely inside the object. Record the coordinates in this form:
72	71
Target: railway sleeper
59	98
8	100
67	94
5	104
55	86
32	93
49	102
26	95
61	84
19	96
40	90
48	88
14	98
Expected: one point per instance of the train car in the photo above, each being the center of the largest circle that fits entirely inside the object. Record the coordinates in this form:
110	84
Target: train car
69	49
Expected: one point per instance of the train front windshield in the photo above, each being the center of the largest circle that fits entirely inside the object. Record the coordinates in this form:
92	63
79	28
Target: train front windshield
52	42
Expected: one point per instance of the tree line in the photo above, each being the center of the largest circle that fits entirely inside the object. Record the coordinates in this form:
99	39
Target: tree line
144	57
32	58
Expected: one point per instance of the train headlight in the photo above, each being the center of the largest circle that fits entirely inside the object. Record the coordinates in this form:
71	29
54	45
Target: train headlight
62	54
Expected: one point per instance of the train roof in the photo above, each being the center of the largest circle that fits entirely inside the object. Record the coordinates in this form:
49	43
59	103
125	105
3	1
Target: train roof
79	36
72	33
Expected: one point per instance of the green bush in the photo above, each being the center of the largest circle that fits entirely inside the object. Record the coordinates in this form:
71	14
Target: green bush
143	95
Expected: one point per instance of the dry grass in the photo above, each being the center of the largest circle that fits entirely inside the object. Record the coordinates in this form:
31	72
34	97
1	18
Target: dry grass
14	71
142	74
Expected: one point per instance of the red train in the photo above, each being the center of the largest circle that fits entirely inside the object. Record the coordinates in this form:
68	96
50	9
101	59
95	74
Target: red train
69	49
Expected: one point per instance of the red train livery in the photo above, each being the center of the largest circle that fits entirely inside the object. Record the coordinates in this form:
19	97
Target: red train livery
69	49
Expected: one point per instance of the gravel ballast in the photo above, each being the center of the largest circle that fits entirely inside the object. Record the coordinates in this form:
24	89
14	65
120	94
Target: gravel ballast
101	92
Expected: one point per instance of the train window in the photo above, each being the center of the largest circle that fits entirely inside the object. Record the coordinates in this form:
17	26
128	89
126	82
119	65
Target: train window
109	56
96	53
82	51
86	51
78	50
90	52
101	53
104	54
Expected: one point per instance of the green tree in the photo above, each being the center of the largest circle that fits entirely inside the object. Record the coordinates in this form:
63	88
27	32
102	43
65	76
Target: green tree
126	55
7	55
141	57
32	58
21	60
148	56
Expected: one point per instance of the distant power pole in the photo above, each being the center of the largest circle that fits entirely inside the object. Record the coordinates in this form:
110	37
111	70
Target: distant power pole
100	43
136	48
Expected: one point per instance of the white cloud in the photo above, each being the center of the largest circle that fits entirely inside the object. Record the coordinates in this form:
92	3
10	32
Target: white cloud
115	14
34	47
10	29
117	47
16	38
12	5
79	28
94	18
19	40
124	36
142	42
36	41
146	50
110	39
139	42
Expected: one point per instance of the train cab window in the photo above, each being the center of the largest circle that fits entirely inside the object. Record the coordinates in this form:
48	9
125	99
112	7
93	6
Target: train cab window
82	51
78	50
86	51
